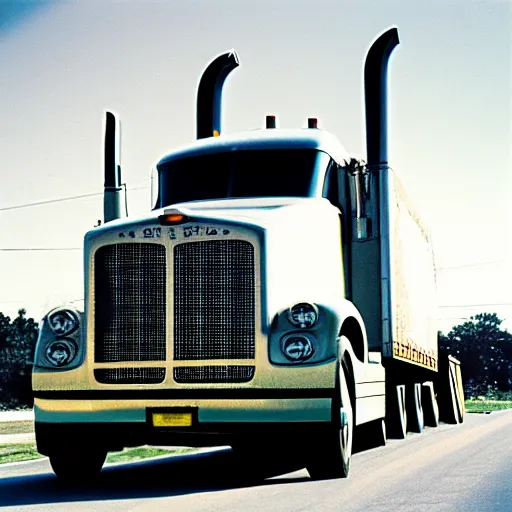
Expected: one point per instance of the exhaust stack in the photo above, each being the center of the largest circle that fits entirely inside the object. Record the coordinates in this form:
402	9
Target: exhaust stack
209	94
375	88
113	187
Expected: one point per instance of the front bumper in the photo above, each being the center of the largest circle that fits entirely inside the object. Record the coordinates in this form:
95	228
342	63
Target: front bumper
117	423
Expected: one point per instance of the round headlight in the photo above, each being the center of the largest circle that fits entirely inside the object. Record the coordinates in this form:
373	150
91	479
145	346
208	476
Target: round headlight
61	352
303	315
298	348
63	321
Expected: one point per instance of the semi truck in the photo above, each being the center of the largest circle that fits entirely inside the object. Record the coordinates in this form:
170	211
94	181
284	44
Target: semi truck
279	293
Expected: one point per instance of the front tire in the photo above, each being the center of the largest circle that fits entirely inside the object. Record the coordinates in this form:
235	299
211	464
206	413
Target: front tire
333	452
78	466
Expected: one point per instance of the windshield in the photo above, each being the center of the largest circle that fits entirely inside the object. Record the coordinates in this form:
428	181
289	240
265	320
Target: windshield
254	173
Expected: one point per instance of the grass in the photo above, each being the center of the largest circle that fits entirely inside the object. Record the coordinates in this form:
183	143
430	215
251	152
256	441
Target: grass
17	452
16	427
487	405
144	452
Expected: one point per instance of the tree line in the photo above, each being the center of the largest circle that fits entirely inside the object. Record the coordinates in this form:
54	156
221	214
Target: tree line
484	350
17	342
482	346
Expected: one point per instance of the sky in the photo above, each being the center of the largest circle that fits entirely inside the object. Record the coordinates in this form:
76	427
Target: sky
64	63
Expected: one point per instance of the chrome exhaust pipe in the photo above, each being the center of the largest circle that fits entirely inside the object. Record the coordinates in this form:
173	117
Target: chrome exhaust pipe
375	89
209	94
112	187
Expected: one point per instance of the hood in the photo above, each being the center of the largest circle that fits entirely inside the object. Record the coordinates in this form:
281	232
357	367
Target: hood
257	212
260	211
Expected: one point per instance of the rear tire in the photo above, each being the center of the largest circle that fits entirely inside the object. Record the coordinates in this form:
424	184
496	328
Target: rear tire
451	392
78	466
370	435
396	415
429	403
331	456
377	433
415	421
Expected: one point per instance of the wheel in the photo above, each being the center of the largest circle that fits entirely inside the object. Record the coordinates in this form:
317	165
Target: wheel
376	432
429	404
415	420
78	465
459	392
332	453
451	393
396	414
369	435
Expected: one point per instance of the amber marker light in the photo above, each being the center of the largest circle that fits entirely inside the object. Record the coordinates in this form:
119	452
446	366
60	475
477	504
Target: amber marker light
169	219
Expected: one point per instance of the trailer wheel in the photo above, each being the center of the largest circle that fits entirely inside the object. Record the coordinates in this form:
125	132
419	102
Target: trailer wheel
79	465
330	456
378	433
451	391
415	421
370	435
429	403
396	414
455	399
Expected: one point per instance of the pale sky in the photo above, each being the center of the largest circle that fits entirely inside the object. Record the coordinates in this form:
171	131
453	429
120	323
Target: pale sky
63	63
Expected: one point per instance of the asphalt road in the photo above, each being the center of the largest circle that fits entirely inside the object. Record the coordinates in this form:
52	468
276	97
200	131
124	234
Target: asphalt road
451	468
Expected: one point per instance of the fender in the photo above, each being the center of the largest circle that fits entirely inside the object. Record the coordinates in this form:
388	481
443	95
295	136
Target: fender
351	326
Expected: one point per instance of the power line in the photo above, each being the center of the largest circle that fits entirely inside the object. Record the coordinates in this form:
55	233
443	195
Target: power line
62	199
50	201
442	269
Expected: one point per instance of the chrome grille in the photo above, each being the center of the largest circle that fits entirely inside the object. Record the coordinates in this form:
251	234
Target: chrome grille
214	300
130	303
213	374
129	375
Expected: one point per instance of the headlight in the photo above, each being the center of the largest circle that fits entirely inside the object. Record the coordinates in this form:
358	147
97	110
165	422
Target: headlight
298	348
63	321
303	315
61	352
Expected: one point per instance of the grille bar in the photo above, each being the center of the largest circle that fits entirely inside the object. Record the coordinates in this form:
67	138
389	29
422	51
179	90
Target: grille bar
213	374
130	303
214	305
130	375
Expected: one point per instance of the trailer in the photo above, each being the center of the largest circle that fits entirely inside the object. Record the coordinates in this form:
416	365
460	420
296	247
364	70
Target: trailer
280	293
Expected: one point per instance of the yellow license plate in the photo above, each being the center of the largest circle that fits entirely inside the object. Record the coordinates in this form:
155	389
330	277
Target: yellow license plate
172	419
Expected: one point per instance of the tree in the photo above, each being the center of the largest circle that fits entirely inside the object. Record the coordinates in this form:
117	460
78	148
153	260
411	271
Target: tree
485	353
17	342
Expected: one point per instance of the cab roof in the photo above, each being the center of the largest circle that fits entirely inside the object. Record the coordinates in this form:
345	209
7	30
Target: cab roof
276	138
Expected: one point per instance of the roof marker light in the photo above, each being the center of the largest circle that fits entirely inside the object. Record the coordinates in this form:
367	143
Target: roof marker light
271	122
312	122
